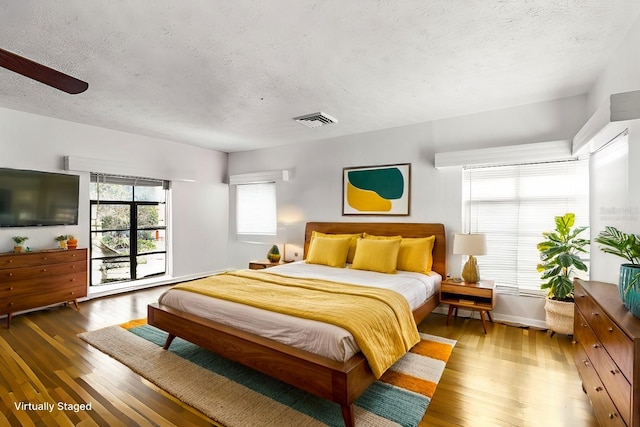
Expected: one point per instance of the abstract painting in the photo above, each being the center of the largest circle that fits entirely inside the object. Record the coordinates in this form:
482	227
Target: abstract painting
376	190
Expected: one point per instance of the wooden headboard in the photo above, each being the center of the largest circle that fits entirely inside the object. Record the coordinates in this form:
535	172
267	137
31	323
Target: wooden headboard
404	229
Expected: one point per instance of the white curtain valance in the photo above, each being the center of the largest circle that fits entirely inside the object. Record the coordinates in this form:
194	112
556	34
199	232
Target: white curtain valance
509	155
110	167
260	177
609	121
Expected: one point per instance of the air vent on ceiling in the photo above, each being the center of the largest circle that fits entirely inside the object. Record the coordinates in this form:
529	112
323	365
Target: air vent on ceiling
316	119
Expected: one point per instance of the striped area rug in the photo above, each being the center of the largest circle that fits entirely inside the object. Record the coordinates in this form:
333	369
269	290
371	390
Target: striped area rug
237	396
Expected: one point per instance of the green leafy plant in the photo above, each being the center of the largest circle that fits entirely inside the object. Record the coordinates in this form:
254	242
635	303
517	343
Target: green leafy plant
619	243
61	238
560	257
18	240
624	245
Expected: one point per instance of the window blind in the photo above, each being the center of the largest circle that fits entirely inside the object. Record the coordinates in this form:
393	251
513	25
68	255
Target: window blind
513	205
256	209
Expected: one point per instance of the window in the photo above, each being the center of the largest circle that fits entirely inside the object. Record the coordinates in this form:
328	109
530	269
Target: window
128	228
256	209
513	205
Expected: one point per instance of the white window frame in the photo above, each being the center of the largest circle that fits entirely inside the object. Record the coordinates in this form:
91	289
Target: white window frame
513	205
256	210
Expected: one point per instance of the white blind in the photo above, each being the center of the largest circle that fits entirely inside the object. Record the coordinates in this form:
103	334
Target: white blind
513	205
256	209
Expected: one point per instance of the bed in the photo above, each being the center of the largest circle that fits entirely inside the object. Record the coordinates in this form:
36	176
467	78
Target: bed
341	381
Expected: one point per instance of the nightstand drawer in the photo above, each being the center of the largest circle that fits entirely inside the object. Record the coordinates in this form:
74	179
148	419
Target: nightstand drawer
466	290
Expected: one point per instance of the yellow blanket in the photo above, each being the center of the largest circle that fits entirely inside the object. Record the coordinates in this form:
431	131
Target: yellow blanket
380	320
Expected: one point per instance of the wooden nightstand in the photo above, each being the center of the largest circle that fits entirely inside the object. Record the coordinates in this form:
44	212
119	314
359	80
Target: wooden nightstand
262	264
479	296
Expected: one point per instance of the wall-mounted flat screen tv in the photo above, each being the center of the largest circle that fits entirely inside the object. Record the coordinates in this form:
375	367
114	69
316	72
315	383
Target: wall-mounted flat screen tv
32	198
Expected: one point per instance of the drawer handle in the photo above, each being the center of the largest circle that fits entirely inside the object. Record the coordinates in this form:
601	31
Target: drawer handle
584	325
595	313
586	362
614	371
10	274
612	415
610	329
597	388
10	260
596	346
44	269
11	288
72	280
10	304
73	266
72	292
44	258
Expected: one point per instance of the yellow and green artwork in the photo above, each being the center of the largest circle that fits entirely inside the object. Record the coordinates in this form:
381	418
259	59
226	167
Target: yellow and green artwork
376	190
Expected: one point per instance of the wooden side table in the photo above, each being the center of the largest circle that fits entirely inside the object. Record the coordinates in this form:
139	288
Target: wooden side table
479	296
262	264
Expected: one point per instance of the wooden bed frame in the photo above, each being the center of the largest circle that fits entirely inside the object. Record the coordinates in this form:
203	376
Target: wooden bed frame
340	382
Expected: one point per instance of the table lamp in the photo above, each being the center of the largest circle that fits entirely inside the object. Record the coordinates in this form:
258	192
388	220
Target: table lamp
470	244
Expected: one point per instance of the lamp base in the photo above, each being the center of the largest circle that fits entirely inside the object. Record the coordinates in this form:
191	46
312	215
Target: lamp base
470	272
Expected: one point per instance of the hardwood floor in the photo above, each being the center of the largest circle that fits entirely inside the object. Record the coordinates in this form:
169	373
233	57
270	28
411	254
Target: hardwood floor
509	377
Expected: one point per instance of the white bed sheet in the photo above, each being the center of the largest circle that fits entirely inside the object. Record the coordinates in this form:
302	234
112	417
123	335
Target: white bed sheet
317	337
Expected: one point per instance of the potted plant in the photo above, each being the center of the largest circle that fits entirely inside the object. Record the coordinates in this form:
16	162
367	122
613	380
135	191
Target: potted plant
626	246
72	242
560	258
62	241
274	254
18	242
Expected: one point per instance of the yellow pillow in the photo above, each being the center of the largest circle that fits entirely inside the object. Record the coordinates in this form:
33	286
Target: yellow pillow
329	251
374	237
352	246
415	254
379	255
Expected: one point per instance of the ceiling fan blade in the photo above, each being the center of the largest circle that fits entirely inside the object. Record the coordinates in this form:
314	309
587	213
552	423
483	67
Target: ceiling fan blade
41	73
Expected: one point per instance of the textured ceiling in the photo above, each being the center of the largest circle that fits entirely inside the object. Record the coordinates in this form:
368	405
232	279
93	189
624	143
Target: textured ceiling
231	75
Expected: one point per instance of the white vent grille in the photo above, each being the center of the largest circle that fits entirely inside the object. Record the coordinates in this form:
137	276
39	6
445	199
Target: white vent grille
316	119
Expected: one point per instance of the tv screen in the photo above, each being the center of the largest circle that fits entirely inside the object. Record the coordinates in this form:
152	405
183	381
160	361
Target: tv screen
31	198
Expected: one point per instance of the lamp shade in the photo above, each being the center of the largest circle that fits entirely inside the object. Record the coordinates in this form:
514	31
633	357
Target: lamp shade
469	244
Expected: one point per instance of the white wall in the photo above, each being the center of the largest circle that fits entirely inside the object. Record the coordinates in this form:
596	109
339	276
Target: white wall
315	193
200	208
622	74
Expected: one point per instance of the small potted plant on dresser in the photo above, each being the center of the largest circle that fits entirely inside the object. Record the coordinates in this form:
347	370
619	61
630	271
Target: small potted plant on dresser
626	246
18	243
560	258
72	242
62	241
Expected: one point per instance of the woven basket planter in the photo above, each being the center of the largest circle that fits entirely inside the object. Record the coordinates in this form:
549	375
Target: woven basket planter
559	316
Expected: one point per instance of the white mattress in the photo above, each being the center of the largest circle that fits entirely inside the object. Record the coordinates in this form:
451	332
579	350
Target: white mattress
317	337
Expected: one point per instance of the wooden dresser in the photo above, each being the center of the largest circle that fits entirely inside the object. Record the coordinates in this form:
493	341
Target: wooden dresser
37	279
607	353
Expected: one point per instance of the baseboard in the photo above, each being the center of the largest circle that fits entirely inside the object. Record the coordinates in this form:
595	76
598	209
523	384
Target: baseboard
515	321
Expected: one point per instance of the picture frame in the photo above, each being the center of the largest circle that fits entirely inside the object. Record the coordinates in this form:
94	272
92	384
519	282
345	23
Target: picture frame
381	190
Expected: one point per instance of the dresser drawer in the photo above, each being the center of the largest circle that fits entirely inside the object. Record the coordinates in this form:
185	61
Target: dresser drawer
617	386
51	284
618	345
26	302
603	407
42	271
41	258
